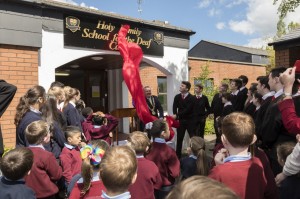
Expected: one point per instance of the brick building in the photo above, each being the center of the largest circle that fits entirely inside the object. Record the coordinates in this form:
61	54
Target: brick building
287	48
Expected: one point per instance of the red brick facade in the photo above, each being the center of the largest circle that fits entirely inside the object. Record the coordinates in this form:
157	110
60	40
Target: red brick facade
224	70
19	66
282	57
149	76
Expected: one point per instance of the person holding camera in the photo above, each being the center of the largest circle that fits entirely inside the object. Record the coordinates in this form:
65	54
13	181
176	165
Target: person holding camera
98	125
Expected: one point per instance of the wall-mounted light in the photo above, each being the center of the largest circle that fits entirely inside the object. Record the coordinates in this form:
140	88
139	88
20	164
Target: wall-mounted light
96	58
62	74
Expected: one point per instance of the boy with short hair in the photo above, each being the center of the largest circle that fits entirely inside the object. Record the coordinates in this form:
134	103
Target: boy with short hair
15	165
148	176
70	156
118	170
248	179
45	169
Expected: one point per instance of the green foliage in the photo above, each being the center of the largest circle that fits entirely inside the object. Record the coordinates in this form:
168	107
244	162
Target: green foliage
281	28
209	126
209	90
292	26
271	57
286	6
6	149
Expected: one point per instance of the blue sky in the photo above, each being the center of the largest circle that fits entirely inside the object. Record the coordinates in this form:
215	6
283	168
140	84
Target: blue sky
240	22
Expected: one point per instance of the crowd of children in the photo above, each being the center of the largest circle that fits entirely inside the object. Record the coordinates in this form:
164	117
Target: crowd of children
63	151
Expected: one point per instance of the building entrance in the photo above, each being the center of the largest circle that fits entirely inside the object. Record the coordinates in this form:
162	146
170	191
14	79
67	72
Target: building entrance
92	85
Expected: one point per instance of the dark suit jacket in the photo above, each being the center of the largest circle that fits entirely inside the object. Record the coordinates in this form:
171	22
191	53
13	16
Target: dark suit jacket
159	112
227	110
217	105
7	93
237	101
260	114
201	107
273	130
183	108
250	109
243	97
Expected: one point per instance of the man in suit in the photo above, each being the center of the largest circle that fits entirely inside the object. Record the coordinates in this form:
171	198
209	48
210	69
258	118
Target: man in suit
217	108
7	93
263	88
183	109
200	111
236	98
153	103
273	131
243	90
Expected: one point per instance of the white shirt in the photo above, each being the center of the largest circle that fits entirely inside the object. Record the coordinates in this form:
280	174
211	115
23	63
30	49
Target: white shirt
269	94
278	93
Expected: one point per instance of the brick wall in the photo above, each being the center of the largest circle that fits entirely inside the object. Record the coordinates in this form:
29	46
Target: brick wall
222	70
282	57
19	66
149	76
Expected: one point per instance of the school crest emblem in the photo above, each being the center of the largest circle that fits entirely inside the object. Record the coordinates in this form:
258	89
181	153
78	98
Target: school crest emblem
72	23
158	37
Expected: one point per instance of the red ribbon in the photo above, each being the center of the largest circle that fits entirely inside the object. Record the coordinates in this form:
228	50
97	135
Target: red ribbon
132	55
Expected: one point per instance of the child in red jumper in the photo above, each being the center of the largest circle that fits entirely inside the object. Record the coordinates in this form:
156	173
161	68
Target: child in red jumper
236	168
89	185
45	170
94	131
163	156
70	155
148	176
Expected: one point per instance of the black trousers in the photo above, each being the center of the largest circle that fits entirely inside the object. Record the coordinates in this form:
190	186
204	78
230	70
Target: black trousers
184	125
199	126
218	134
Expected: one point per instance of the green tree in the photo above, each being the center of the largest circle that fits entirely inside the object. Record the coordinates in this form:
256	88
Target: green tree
271	57
281	28
209	90
292	26
286	6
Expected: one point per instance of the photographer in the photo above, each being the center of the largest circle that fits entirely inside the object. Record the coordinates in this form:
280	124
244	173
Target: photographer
289	107
98	125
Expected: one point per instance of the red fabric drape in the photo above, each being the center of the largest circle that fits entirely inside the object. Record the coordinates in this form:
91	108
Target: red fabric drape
132	55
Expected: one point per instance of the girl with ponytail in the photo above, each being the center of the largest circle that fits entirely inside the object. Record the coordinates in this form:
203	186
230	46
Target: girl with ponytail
197	162
28	110
89	185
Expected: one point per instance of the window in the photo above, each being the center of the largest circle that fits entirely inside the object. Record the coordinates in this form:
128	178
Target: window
162	92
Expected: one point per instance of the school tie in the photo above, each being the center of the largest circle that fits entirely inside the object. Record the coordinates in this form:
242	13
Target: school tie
198	97
182	96
273	98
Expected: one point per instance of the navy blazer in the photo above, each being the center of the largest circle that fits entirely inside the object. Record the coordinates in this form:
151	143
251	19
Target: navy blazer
188	167
15	189
29	117
72	116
